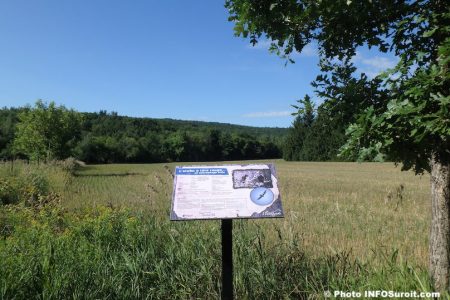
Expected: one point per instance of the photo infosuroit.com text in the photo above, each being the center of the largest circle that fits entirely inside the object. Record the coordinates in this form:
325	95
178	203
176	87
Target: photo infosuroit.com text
380	294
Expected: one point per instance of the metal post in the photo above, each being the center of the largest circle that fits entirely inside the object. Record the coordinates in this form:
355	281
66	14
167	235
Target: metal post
227	259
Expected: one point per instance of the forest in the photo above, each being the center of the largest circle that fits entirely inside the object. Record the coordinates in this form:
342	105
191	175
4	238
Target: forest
316	134
47	131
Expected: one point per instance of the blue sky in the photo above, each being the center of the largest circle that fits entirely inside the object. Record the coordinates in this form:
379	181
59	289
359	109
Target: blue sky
161	59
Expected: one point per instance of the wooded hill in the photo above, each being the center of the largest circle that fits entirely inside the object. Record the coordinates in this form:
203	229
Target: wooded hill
106	137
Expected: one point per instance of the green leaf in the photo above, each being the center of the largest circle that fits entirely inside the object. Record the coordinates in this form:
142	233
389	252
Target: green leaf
429	33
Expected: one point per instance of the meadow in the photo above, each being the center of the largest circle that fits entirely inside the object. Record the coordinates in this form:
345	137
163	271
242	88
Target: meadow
347	226
330	207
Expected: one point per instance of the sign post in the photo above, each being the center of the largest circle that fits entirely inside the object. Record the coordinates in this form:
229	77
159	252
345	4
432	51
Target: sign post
226	192
227	259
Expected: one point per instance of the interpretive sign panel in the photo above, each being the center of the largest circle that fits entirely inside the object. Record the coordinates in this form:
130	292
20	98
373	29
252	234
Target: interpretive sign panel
226	192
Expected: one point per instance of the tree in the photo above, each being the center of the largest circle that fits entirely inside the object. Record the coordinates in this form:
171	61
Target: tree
7	125
297	134
47	131
323	139
213	148
408	118
346	95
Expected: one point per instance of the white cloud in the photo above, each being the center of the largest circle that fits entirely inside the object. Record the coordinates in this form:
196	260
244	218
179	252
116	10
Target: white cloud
373	65
309	50
379	62
267	114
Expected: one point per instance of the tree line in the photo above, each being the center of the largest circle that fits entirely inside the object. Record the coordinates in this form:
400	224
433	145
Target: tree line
47	131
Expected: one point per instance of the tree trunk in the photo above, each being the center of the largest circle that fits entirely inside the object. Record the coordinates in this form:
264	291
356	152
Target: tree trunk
440	224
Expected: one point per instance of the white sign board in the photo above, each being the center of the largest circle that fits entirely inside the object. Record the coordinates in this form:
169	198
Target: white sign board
226	192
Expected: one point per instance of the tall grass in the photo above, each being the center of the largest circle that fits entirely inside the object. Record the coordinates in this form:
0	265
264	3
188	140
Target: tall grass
110	238
115	254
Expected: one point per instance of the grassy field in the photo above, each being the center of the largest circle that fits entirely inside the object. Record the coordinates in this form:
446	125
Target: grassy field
329	207
347	226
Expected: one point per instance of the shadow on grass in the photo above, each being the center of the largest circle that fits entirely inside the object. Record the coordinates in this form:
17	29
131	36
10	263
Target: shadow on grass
109	174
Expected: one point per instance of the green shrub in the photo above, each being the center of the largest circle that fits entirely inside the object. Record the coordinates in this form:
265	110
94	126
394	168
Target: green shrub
69	165
34	186
30	188
10	191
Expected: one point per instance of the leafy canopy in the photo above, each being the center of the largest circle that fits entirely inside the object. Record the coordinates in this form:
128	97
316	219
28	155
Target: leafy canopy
47	131
405	112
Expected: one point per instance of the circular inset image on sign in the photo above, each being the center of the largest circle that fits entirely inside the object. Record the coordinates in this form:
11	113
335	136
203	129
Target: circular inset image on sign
261	196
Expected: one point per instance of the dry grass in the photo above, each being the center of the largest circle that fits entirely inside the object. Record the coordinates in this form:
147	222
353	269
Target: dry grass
354	207
329	207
